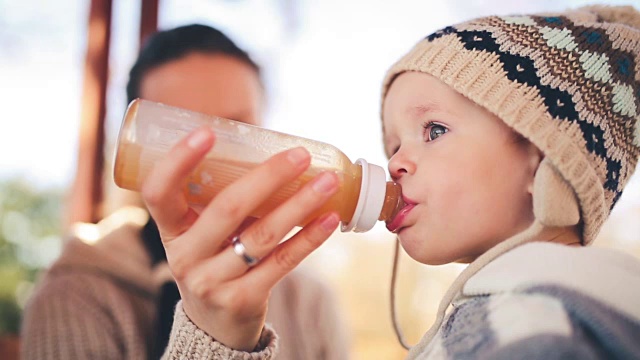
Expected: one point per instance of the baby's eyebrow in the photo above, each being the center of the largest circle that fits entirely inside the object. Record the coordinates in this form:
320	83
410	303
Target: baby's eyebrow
429	107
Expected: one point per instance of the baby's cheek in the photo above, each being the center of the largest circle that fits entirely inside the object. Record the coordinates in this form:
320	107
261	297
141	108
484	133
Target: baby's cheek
479	213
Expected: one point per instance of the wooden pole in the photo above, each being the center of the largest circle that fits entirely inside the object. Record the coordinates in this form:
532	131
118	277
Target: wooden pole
148	19
86	193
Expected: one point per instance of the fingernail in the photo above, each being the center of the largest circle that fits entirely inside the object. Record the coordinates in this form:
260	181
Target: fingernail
330	222
325	183
198	139
298	155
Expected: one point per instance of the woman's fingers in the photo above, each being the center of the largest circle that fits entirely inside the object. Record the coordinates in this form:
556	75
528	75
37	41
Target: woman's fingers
163	189
289	254
239	295
263	236
236	202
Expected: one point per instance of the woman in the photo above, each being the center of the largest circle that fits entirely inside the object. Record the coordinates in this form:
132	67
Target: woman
115	298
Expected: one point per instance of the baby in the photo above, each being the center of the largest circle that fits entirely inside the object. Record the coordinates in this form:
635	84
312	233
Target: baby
507	130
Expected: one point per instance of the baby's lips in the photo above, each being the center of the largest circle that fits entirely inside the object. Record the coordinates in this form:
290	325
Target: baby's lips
394	224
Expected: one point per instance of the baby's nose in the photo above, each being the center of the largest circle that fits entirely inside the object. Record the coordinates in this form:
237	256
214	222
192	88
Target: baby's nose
399	166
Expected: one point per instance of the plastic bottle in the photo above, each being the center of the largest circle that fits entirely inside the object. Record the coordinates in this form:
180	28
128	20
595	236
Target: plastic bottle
149	130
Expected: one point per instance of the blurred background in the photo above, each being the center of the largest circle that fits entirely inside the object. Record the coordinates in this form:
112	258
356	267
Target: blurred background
323	63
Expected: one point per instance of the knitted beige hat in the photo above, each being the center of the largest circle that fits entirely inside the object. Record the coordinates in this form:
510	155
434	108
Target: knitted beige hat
568	82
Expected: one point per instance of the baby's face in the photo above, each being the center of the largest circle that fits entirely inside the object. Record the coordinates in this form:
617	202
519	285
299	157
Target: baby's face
463	168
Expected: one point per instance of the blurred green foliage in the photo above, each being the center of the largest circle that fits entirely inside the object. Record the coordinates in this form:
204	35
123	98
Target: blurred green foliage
30	225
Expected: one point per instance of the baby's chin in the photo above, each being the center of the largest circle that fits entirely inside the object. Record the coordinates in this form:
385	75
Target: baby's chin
429	251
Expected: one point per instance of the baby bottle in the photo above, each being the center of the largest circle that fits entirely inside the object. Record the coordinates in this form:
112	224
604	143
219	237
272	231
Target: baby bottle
149	130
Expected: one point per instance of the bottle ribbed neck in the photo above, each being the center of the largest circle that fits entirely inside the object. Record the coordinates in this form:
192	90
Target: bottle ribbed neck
371	199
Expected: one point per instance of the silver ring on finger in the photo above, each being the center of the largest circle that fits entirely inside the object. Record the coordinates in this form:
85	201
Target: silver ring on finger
241	251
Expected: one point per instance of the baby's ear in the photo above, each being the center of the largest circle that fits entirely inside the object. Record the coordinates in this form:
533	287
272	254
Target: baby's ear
554	201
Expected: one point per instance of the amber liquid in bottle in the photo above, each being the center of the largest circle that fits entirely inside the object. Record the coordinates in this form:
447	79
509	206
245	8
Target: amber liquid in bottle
149	130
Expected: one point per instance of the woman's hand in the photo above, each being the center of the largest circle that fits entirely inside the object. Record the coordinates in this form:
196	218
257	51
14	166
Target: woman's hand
221	293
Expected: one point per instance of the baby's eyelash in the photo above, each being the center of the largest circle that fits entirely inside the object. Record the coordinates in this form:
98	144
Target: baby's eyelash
428	124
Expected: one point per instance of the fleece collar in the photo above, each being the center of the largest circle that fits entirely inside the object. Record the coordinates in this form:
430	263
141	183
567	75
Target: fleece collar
609	276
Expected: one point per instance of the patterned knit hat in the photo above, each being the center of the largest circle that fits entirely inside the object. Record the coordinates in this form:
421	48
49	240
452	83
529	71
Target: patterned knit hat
568	82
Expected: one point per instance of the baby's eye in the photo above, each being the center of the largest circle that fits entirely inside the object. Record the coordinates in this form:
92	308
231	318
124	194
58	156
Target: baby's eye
433	131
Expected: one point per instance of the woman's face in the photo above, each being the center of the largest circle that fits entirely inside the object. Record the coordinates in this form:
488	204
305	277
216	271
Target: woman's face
213	84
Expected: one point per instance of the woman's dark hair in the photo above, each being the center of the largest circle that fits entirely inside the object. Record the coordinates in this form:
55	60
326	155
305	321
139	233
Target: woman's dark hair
169	45
161	48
